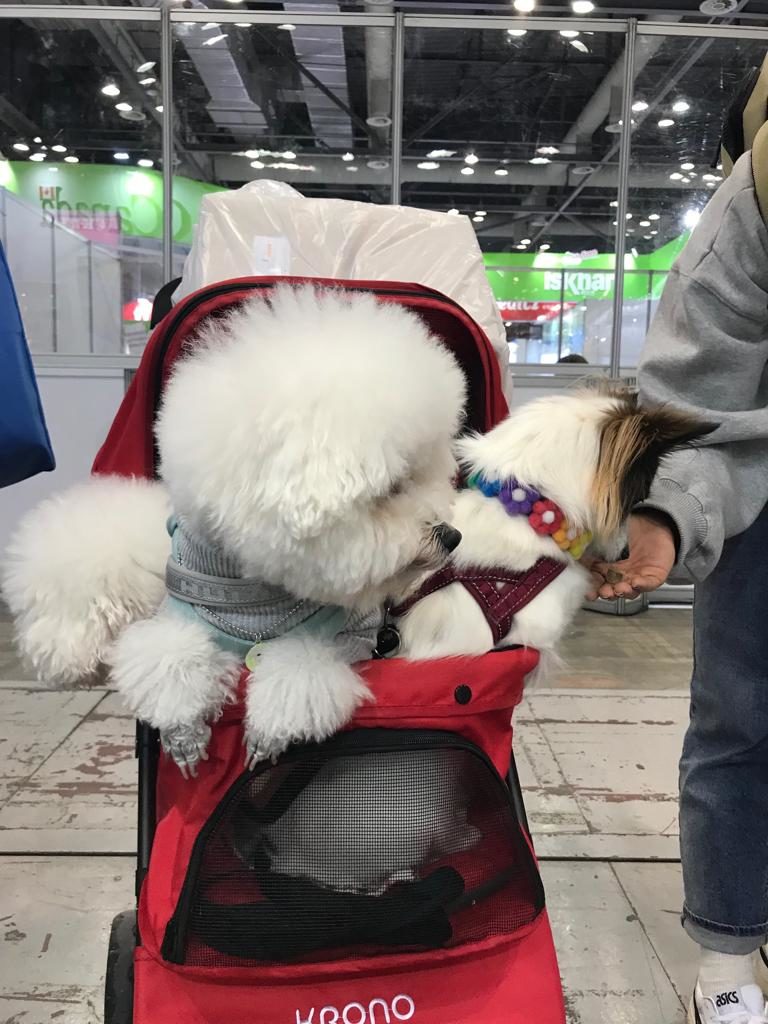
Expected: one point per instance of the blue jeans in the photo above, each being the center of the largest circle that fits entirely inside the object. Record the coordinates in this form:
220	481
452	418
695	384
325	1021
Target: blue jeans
724	767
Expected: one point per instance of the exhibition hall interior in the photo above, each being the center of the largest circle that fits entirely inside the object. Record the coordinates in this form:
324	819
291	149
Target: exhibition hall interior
120	126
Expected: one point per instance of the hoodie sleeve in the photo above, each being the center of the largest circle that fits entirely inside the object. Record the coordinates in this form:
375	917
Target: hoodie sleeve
707	353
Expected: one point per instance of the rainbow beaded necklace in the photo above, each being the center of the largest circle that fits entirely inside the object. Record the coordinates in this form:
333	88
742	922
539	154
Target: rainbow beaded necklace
546	518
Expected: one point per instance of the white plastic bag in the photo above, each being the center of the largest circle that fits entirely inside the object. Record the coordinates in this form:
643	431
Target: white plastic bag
267	228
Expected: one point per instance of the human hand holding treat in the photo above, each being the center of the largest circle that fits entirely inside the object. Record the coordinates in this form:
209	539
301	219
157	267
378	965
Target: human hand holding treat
652	544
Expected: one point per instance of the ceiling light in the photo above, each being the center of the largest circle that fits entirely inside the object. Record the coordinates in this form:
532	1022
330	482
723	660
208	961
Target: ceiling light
653	216
467	170
524	6
691	218
146	66
242	24
212	40
548	150
545	247
629	216
578	45
686	181
453	213
681	107
666	122
353	168
501	172
257	165
687	166
288	155
428	165
654	232
110	89
614	203
37	157
645	223
481	213
471	159
582	6
614	223
647	237
520	246
525	241
347	157
22	147
159	108
145	162
440	154
147	81
539	160
58	148
569	33
639	106
209	25
477	219
287	27
379	121
121	156
71	160
711	184
39	140
516	32
706	177
123	106
676	176
378	164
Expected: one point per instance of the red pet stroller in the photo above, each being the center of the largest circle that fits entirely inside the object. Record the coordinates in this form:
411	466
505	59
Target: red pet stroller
223	934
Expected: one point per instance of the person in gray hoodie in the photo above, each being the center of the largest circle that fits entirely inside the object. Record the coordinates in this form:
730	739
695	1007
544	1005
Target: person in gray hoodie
706	520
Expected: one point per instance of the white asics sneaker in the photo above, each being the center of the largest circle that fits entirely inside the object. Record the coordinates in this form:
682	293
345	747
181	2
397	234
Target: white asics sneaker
745	1005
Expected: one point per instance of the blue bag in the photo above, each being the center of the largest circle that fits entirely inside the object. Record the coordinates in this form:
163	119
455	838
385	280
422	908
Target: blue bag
25	447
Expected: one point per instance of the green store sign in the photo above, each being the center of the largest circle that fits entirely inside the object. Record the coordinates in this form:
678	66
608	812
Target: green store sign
136	196
575	277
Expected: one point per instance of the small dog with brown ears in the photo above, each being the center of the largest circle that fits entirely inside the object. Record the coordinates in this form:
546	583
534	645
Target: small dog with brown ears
555	480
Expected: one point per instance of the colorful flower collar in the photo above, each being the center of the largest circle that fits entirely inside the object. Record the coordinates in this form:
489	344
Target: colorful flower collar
546	518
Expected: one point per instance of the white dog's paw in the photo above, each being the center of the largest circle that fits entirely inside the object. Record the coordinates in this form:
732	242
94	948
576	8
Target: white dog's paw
172	674
300	691
187	745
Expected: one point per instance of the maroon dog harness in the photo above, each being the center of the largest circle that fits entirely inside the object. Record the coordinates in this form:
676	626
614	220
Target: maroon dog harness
499	593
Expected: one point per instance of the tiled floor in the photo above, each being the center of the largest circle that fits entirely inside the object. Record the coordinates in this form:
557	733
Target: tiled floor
597	755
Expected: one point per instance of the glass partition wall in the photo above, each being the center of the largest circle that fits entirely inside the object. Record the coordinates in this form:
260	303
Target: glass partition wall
582	149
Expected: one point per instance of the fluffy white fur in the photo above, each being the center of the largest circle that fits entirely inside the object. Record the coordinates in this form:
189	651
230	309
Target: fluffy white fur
554	445
309	440
81	567
300	690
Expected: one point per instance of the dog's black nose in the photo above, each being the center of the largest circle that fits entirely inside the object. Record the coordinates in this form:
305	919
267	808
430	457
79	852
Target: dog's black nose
447	537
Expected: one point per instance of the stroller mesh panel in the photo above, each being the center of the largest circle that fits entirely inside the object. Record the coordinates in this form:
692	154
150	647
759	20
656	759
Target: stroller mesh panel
380	841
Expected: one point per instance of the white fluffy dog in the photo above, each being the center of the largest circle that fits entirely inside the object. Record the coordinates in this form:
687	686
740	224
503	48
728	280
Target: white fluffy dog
561	474
306	458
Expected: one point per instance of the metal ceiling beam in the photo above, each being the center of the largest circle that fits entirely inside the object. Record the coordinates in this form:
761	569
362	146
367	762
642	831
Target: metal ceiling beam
20	123
115	40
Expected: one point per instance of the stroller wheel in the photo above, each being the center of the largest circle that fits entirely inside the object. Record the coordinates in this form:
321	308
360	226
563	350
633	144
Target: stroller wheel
118	984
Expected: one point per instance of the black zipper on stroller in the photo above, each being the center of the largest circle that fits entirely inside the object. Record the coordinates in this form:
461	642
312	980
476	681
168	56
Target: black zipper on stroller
356	742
